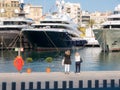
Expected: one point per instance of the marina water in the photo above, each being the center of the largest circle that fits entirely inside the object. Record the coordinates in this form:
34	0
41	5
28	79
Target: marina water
93	60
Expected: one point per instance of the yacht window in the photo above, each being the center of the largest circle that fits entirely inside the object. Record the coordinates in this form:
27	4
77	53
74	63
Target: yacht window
112	19
71	35
62	27
23	23
115	26
6	29
14	23
50	26
116	12
112	26
63	22
47	26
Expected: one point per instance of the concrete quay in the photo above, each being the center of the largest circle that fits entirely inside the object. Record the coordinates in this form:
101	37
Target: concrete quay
58	76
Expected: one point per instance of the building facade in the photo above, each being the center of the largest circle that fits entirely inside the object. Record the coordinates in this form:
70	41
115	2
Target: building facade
33	12
74	11
85	18
9	8
99	17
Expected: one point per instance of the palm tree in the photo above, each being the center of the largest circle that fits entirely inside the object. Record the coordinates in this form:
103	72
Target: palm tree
82	29
91	23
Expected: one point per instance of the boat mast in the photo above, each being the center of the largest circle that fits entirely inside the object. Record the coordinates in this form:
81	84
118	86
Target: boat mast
60	6
21	7
21	14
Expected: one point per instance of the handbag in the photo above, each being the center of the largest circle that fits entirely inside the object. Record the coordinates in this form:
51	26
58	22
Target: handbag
63	62
81	60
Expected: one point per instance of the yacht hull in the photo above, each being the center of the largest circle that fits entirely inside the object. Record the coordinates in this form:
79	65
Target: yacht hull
109	39
49	39
9	39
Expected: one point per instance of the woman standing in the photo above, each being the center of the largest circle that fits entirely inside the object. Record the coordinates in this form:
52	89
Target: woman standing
77	62
67	61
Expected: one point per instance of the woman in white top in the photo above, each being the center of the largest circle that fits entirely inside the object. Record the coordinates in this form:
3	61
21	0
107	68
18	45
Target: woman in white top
77	62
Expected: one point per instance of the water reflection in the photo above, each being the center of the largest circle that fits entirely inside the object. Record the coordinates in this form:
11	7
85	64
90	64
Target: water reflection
93	60
109	61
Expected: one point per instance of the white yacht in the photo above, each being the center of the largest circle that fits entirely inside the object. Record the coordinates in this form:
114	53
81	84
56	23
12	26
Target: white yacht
10	29
109	35
55	31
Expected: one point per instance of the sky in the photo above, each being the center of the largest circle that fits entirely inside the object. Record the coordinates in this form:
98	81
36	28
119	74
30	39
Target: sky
87	5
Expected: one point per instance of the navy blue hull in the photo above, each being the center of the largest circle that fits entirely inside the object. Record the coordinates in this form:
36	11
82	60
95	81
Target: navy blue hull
48	39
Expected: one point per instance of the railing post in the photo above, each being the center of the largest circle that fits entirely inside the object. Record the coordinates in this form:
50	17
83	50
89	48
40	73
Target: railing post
80	84
119	83
22	85
13	86
64	85
47	85
55	85
38	85
104	83
70	84
89	84
112	83
4	86
96	83
30	85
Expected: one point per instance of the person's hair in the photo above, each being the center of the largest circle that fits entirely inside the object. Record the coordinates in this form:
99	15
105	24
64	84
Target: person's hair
67	52
76	54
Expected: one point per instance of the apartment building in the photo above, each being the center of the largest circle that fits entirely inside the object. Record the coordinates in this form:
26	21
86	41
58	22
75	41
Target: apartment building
33	12
74	11
99	17
9	8
85	18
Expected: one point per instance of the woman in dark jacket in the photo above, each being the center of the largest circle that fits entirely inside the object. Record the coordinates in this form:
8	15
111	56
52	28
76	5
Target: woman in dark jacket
67	61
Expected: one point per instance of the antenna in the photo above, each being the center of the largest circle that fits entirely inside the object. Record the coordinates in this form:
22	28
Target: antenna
21	4
60	5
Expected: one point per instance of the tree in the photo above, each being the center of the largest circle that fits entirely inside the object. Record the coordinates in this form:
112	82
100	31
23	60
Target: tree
91	23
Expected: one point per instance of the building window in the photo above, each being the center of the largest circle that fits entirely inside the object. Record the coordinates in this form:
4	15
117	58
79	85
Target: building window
68	10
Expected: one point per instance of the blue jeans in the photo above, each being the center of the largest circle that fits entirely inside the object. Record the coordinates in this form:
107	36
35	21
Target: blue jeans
77	67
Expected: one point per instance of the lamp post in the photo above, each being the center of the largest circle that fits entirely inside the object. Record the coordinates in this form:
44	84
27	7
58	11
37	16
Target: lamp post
20	48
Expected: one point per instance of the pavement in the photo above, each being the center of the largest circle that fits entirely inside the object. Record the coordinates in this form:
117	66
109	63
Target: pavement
58	76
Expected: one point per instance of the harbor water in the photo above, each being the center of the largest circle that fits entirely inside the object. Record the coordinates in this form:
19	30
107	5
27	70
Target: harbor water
93	60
